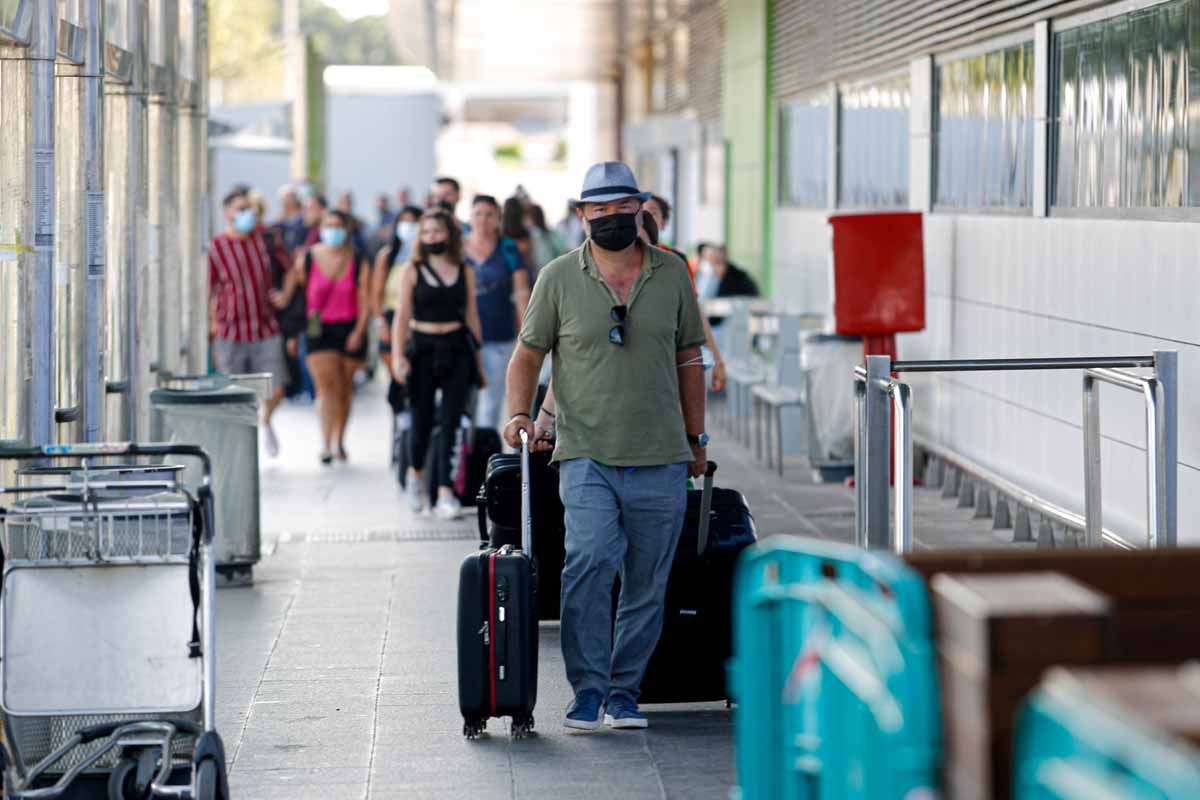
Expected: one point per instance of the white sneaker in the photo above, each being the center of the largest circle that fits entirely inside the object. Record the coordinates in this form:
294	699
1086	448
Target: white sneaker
414	490
448	507
270	440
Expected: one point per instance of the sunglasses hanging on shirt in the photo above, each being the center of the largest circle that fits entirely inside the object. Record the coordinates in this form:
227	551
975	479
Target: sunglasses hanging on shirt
616	334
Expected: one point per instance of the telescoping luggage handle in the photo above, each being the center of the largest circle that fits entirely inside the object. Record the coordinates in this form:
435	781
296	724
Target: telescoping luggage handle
526	523
705	508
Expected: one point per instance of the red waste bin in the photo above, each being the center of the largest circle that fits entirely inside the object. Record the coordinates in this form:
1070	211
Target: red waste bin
878	277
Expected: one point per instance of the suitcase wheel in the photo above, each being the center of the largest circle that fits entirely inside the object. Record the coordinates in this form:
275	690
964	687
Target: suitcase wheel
522	728
473	728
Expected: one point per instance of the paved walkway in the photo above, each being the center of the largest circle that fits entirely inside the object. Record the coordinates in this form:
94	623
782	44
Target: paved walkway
337	674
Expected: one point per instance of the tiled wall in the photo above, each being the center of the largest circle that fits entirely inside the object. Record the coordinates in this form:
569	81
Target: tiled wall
1007	286
1000	286
801	260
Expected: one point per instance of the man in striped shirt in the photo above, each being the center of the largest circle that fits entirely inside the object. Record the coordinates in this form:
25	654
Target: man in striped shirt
245	328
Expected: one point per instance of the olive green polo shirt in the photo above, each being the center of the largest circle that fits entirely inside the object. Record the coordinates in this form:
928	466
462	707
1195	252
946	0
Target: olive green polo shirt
616	405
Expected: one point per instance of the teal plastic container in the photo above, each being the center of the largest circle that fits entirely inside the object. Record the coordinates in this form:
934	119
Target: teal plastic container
1070	748
834	675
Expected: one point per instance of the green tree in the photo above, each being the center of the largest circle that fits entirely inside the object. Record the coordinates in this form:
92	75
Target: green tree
241	33
244	33
341	41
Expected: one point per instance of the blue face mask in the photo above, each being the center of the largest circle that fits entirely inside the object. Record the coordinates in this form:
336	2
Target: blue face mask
333	237
245	220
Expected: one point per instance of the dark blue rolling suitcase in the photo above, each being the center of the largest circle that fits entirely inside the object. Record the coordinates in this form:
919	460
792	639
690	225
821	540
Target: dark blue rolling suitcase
688	664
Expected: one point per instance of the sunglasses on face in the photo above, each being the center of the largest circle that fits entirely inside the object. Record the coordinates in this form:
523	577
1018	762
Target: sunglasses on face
616	334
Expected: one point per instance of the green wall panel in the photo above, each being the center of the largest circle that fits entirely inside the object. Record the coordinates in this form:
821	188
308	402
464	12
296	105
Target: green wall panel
747	59
315	106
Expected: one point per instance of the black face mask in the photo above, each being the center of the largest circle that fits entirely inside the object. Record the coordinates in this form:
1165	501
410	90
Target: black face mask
614	232
446	205
436	248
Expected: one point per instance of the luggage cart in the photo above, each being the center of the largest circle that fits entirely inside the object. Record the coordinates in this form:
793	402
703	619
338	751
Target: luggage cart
107	634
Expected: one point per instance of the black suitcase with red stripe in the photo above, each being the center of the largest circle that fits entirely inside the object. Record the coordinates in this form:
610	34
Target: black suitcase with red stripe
498	632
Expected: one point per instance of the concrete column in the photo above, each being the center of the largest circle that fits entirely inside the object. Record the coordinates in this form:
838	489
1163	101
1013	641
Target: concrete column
126	213
833	167
27	223
160	290
80	244
920	144
1041	119
193	186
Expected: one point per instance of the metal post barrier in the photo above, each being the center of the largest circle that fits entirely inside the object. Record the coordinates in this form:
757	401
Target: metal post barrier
1166	370
860	455
902	538
874	385
1156	533
876	466
1091	461
1161	449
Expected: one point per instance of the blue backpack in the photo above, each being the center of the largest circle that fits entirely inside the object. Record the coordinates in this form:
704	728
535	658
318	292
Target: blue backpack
512	254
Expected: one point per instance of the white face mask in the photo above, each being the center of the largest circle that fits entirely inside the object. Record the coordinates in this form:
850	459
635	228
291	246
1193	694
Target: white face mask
706	282
407	231
704	266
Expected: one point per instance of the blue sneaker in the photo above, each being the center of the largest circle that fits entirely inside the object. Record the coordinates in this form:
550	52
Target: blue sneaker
587	711
623	713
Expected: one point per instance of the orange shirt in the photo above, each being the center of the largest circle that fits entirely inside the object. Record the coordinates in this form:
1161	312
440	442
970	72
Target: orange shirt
690	268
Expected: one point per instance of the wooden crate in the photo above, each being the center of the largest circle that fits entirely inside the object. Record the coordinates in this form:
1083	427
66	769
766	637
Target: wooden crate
997	635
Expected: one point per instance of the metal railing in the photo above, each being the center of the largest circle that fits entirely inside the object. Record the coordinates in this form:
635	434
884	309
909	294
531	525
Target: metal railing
888	523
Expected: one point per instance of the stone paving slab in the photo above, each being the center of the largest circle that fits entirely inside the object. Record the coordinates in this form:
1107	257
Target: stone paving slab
337	668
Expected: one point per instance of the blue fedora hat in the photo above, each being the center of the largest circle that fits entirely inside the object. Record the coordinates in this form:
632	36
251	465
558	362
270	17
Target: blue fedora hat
608	181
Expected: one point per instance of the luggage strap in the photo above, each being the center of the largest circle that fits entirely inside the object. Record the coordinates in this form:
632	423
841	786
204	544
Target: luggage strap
706	500
491	580
194	649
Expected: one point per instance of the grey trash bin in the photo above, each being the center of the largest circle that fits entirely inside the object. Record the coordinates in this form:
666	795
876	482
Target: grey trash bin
223	419
829	361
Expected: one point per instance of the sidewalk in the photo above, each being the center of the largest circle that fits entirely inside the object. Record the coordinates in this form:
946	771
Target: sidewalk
337	670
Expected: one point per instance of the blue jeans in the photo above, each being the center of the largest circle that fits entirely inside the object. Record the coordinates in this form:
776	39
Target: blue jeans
490	411
624	521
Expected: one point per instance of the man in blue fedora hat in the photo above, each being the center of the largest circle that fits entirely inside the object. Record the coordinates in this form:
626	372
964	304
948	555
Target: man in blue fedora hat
627	427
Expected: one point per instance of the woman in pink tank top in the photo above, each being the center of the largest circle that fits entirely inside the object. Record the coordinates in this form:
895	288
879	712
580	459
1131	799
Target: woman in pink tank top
335	280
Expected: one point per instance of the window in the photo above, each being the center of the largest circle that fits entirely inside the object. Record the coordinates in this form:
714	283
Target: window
804	152
873	146
984	130
1127	95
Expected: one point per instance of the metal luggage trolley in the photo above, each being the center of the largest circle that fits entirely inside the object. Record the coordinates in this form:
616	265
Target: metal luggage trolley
107	635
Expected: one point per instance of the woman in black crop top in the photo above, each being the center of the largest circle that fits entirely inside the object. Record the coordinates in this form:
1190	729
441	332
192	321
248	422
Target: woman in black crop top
435	338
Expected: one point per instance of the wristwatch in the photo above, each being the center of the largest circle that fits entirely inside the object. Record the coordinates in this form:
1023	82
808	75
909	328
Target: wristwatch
699	441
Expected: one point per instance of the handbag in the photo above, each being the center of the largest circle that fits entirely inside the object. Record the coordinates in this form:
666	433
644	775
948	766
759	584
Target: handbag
314	326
